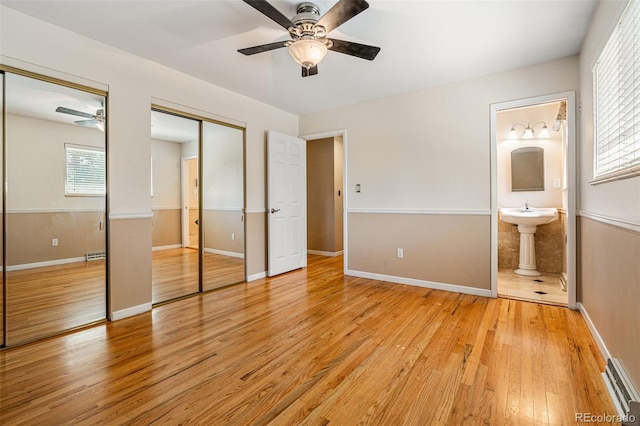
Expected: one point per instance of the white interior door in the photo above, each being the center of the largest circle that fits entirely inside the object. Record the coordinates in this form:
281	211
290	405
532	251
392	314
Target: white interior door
286	202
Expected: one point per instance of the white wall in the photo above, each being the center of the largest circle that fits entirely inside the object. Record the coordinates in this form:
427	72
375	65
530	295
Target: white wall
222	167
166	174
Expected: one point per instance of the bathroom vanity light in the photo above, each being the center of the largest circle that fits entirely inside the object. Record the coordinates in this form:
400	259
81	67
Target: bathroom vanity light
529	131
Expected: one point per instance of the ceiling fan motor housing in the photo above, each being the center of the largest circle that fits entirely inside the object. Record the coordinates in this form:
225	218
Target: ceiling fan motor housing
305	24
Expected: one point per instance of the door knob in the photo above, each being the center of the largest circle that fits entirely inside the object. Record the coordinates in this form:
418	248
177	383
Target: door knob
275	210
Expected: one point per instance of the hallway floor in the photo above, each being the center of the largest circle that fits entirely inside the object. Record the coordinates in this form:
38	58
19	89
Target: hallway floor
543	289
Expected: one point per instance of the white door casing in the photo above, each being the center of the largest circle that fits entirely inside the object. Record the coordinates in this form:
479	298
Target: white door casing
286	203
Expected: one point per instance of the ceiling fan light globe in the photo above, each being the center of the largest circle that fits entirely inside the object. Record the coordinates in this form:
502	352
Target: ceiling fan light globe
308	52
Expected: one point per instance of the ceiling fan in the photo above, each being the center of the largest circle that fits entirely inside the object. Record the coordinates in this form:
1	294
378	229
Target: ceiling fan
93	120
309	42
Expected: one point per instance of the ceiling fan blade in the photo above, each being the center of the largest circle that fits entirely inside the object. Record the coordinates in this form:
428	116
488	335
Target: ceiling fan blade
87	123
358	50
73	112
341	12
262	48
309	72
270	12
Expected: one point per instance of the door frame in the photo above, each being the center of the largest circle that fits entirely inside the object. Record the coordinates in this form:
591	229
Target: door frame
570	97
345	191
184	188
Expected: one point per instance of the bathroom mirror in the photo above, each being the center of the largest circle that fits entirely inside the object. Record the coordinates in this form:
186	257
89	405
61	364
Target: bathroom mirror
527	169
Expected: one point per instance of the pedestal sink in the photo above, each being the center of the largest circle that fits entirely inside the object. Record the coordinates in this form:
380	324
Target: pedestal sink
528	220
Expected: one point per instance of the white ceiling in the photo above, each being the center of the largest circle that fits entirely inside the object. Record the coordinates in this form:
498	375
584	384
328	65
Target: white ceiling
424	42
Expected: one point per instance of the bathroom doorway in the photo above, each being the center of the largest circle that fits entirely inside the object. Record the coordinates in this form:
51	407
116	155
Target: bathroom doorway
533	199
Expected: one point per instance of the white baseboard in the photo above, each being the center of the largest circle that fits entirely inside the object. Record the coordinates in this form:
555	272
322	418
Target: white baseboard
594	332
129	312
45	263
421	283
169	247
326	253
224	253
257	276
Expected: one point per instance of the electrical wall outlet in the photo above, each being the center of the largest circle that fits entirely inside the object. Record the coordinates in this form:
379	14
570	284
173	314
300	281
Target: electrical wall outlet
556	183
400	253
54	242
233	236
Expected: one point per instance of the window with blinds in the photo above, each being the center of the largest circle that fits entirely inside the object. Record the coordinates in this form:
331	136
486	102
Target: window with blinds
617	99
85	170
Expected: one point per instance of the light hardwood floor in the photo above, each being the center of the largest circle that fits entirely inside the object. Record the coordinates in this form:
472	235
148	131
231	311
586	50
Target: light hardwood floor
314	347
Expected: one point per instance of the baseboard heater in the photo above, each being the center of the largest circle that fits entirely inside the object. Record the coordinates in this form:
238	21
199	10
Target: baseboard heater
96	255
623	394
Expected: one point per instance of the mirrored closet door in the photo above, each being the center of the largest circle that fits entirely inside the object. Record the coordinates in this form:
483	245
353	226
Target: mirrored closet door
54	208
222	206
174	199
198	200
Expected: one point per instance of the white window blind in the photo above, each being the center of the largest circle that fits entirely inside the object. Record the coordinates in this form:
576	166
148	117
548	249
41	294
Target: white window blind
85	170
617	98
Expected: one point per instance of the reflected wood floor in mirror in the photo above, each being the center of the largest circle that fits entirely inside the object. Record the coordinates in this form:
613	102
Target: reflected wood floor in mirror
48	300
314	347
175	272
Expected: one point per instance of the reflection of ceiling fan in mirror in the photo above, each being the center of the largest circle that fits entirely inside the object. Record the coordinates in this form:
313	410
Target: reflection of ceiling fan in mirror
93	120
308	30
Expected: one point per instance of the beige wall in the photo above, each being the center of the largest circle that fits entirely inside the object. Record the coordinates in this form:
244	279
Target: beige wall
256	255
29	236
223	231
129	266
445	249
76	58
608	274
609	277
167	229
